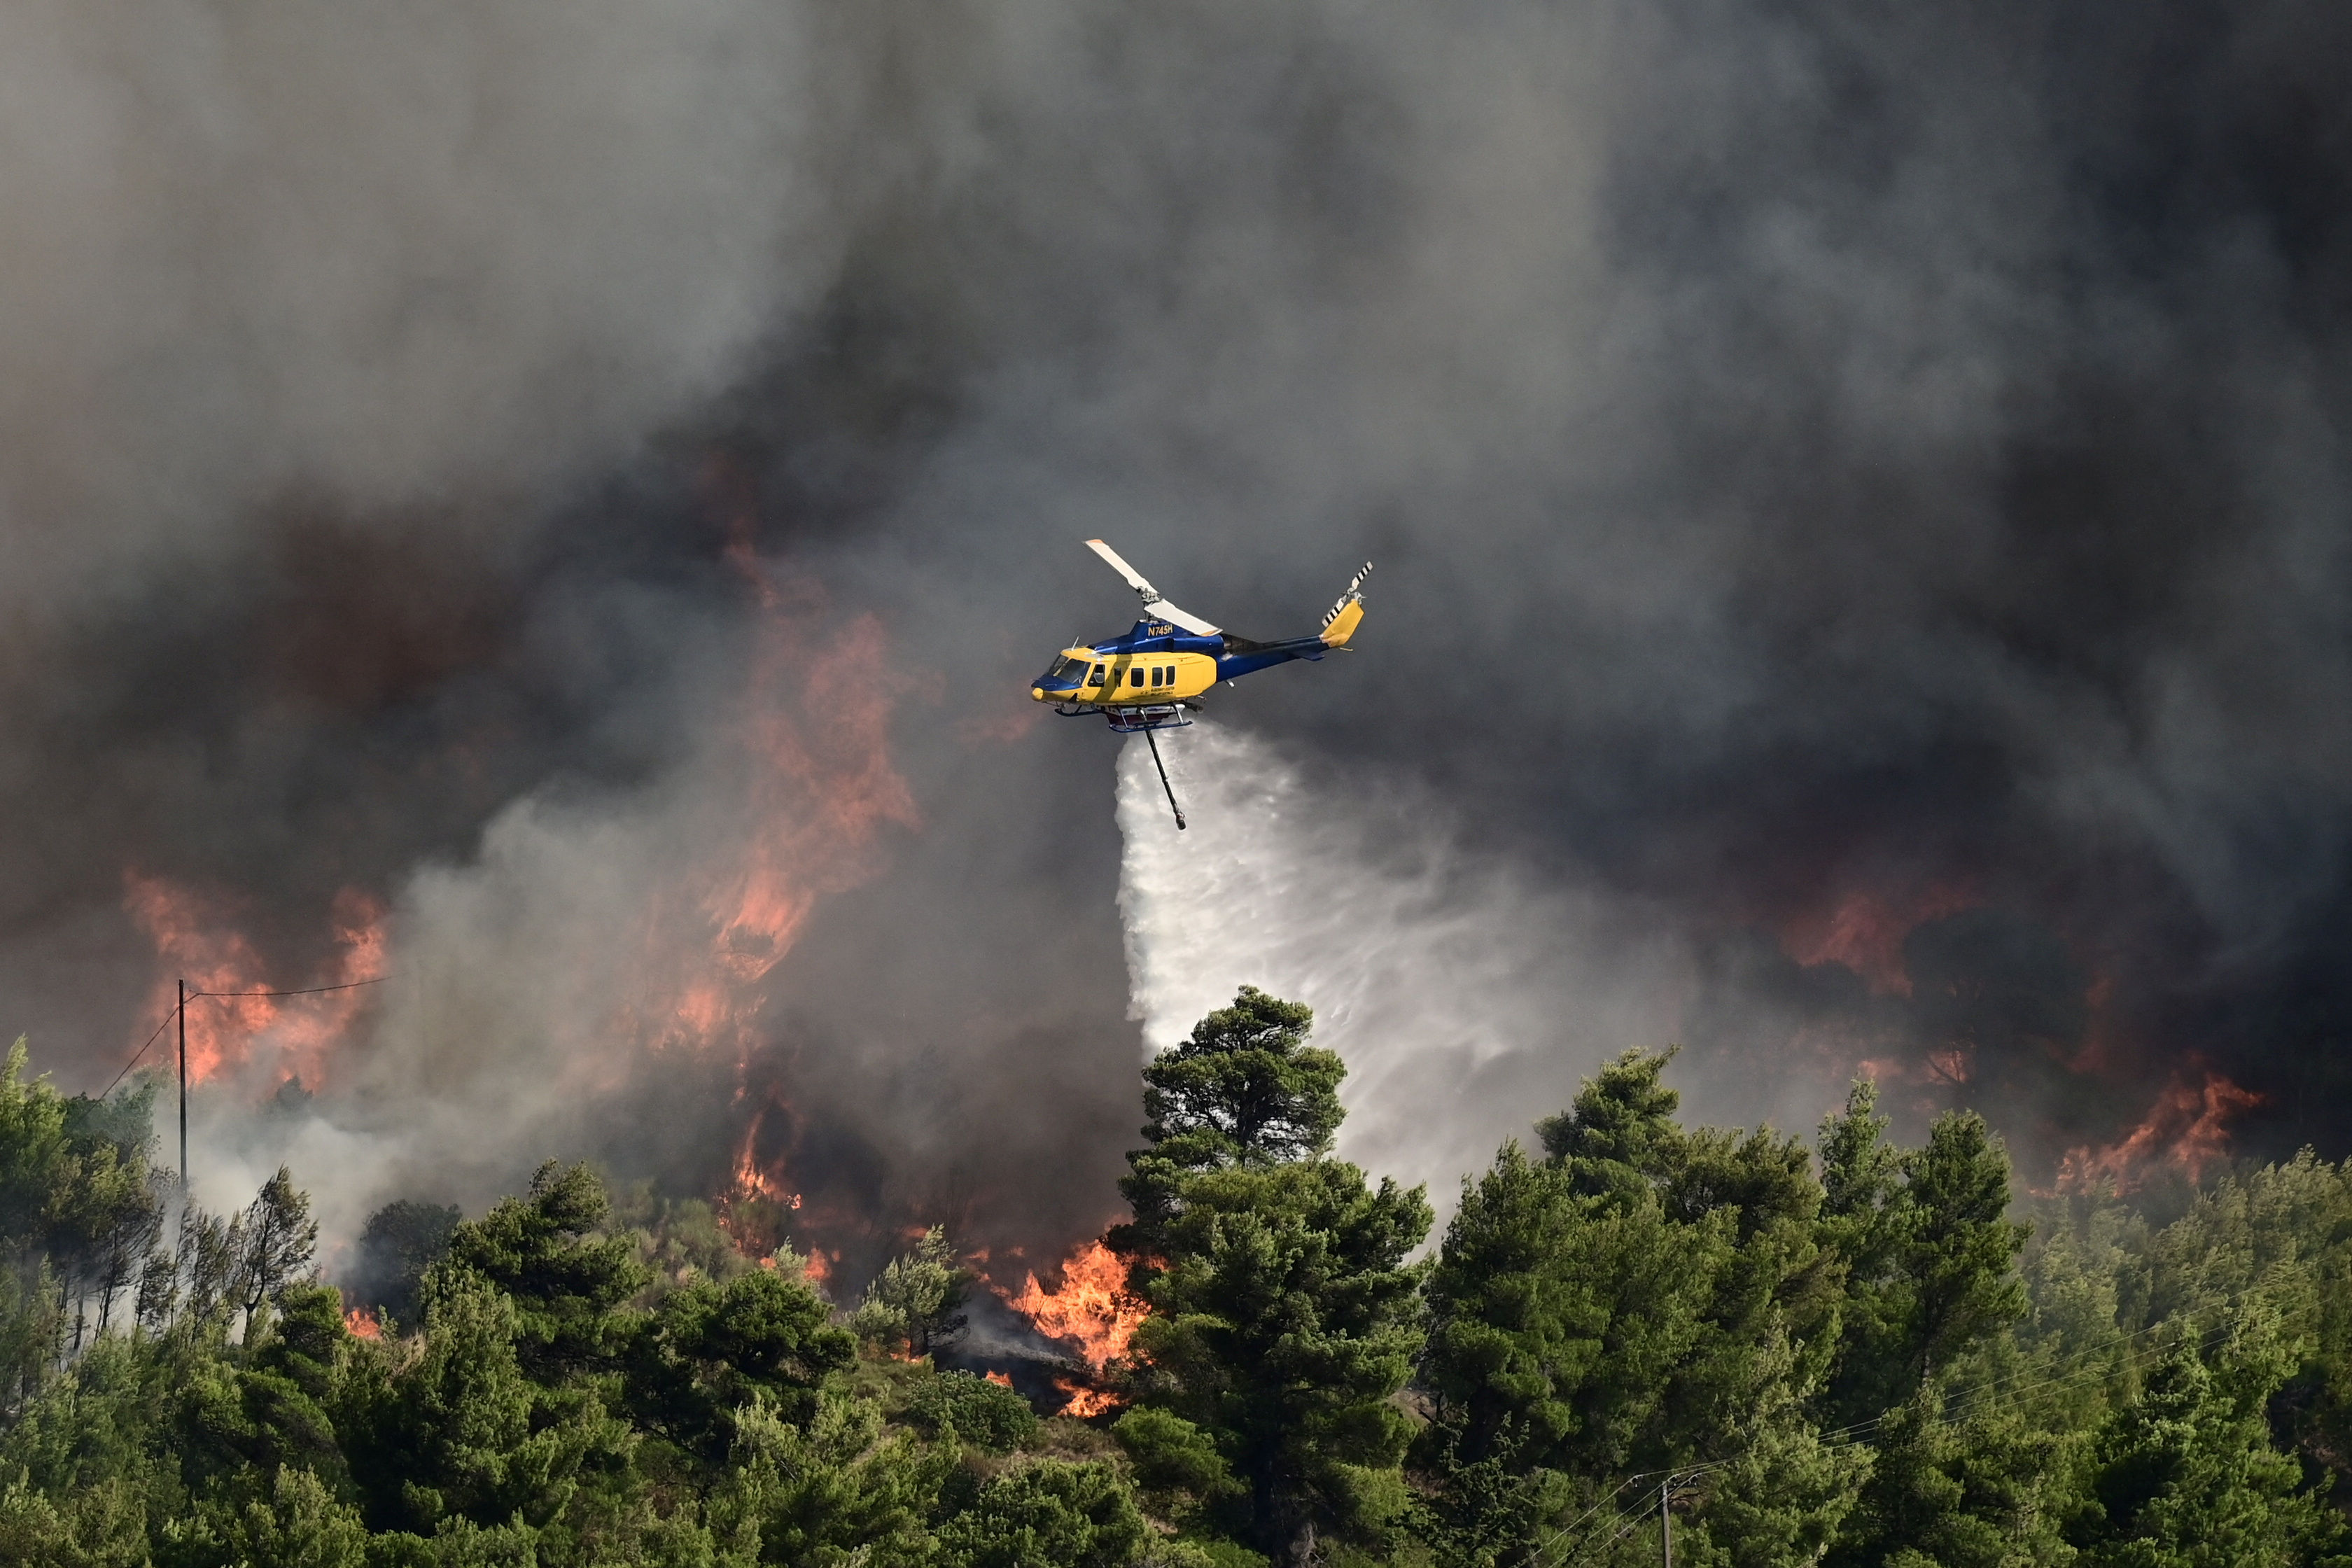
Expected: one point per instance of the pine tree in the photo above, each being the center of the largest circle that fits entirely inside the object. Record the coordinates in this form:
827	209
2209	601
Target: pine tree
2187	1477
269	1246
1985	1488
1245	1089
1645	1299
1283	1313
567	1282
1929	1251
916	1303
760	1338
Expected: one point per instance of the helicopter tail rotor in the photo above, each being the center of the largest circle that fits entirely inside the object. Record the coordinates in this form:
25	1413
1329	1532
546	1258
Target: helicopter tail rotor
1339	624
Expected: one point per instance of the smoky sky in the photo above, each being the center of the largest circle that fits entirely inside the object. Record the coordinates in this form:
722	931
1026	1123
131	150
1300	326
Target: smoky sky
1859	499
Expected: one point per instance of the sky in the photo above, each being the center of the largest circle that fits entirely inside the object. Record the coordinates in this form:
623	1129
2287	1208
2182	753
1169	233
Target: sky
552	511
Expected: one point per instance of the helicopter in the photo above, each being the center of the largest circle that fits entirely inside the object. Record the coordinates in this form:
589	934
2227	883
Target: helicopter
1150	679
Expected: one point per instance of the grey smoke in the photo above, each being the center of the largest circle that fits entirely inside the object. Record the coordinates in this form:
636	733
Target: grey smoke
1808	453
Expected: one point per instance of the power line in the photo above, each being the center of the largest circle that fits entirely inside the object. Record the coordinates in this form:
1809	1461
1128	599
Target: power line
161	1025
304	991
165	1022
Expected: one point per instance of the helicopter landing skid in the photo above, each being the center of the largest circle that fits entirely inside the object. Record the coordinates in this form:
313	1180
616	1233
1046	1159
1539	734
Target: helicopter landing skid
1136	719
1158	716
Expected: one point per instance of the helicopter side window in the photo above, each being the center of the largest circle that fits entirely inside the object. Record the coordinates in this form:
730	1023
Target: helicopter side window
1094	676
1135	675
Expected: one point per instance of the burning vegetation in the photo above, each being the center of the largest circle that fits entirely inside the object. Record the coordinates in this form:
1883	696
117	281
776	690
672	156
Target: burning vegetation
1245	1337
287	1027
1093	1313
1282	1345
2187	1132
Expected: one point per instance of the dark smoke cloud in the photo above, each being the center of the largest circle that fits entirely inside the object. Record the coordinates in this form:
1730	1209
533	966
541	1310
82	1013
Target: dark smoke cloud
1816	461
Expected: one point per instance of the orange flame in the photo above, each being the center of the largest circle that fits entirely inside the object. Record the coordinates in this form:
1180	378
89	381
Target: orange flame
2187	1129
363	1324
1086	1401
752	1212
808	759
1865	932
838	754
819	789
1092	1309
1002	1379
197	943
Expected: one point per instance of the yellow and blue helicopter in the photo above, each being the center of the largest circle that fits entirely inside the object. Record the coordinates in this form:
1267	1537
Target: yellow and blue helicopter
1151	679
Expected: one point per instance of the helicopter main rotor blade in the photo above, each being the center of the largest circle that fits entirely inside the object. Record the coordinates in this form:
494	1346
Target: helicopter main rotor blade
1118	565
1185	618
1153	604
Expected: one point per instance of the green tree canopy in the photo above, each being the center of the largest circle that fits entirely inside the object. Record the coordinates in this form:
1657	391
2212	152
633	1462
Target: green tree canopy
2187	1476
1243	1089
1645	1299
1930	1252
1284	1320
714	1347
566	1281
1283	1313
916	1303
1860	1371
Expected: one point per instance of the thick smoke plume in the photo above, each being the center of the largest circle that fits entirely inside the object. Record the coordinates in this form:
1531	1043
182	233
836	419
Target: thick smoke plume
1860	503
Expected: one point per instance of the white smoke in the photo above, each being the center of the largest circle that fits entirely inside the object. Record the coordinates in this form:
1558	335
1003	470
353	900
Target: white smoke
510	971
1466	1000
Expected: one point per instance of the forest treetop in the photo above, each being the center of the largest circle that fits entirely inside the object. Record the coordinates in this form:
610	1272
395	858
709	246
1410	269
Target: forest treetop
1846	1352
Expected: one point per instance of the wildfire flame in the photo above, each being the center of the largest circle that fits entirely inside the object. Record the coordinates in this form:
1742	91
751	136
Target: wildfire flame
824	791
1085	1402
1002	1379
819	789
1865	932
1091	1311
811	750
2187	1130
752	1212
197	942
802	769
363	1324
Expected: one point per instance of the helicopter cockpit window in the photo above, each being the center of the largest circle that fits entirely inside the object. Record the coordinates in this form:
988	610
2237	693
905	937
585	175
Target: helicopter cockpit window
1065	672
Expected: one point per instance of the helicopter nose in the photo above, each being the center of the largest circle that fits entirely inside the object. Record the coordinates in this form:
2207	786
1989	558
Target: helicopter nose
1038	693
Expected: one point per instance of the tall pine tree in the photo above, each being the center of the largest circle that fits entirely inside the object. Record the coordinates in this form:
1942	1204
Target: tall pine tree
1284	1311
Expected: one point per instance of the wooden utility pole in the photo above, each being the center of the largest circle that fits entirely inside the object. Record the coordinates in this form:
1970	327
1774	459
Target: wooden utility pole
1666	1520
184	1102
